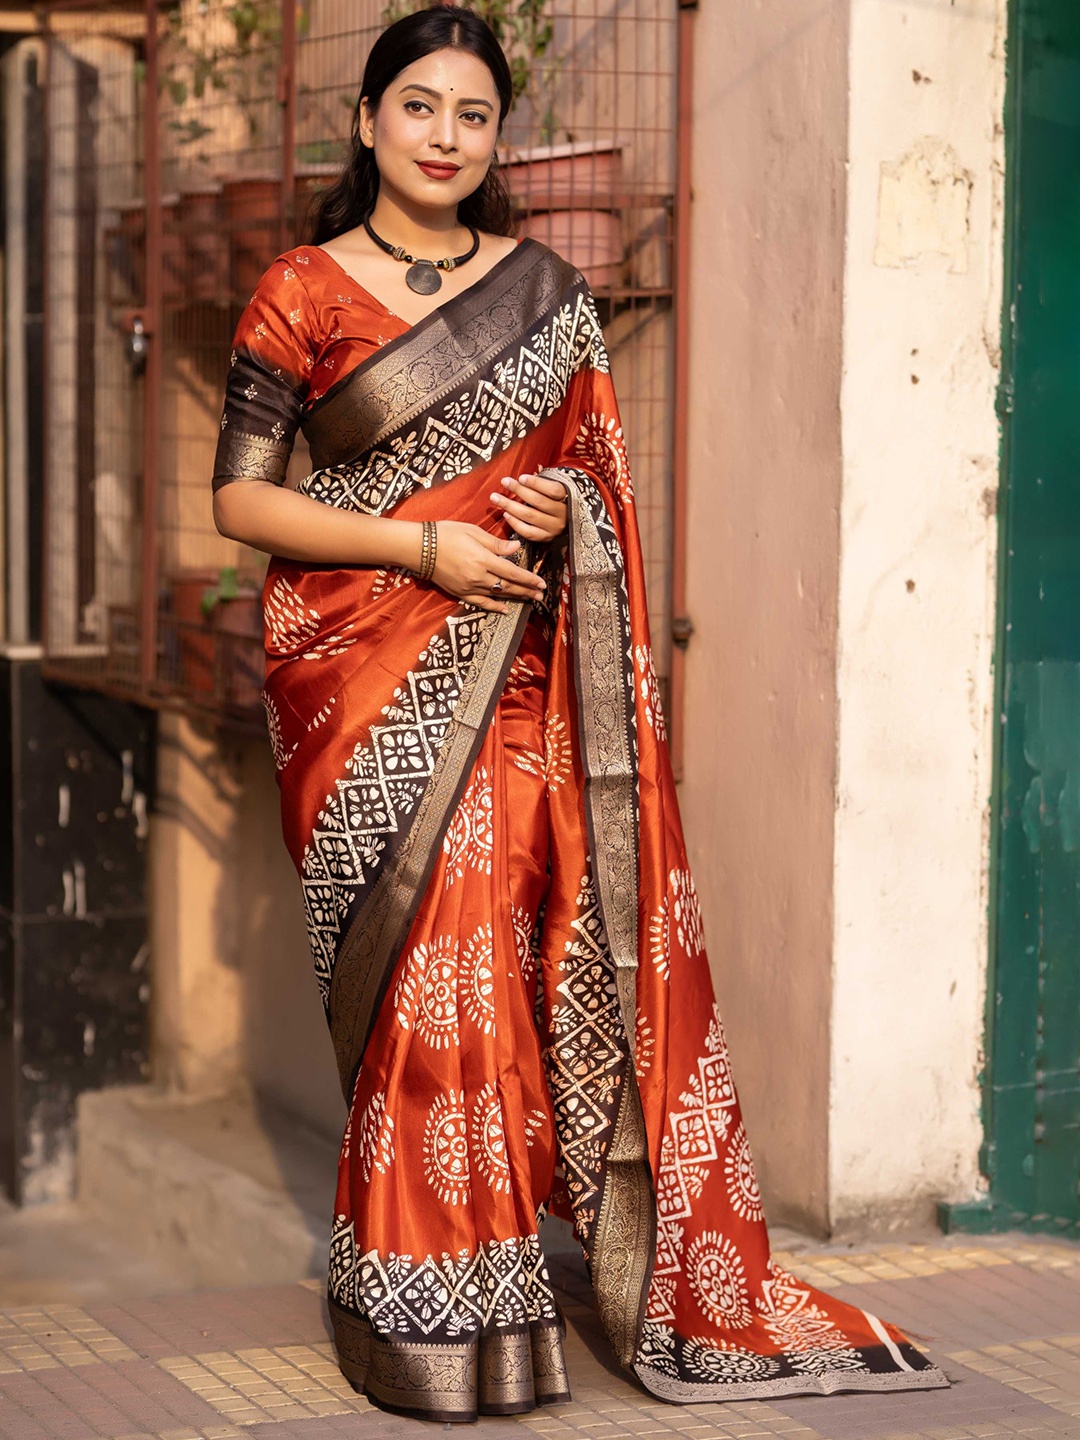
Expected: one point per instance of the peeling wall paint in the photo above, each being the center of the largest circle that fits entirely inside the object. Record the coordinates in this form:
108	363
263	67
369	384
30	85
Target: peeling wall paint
924	208
917	587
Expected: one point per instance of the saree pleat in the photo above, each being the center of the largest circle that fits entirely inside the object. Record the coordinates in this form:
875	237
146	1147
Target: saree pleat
482	812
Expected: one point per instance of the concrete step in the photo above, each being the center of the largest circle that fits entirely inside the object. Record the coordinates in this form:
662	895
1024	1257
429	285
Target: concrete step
219	1192
57	1254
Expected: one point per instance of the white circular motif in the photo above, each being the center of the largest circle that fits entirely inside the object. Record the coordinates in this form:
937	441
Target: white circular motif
686	912
742	1186
389	578
520	675
558	755
535	1123
489	1140
289	622
600	439
524	925
660	940
649	689
273	725
714	1269
426	994
726	1364
446	1149
478	980
644	1041
376	1142
468	839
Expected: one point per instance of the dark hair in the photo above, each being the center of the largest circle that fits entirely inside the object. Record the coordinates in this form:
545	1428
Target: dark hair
352	196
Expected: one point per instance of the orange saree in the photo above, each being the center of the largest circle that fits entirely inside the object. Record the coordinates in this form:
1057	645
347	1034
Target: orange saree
505	930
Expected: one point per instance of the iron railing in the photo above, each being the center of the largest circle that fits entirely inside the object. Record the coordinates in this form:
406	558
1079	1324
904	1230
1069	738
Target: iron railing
183	142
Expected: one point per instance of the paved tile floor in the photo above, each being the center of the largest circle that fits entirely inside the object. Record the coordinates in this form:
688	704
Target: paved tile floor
1002	1317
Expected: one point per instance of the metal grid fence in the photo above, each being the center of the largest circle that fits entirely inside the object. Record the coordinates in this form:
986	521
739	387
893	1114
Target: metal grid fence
183	144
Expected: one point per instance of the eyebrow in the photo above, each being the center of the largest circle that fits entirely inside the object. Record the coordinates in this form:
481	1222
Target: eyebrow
437	95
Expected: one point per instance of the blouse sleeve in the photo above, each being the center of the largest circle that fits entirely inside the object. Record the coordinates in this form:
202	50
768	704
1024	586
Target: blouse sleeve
268	381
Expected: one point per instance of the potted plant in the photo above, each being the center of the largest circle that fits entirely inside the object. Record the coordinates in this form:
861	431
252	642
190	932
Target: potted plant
244	68
252	207
568	197
127	251
233	606
187	637
205	244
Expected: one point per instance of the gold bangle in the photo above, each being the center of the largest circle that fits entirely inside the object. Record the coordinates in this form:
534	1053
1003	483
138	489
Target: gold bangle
428	549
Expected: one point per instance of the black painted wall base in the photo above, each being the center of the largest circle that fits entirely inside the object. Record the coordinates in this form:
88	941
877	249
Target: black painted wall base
75	781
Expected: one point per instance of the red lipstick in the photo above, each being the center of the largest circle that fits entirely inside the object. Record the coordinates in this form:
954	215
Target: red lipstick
438	169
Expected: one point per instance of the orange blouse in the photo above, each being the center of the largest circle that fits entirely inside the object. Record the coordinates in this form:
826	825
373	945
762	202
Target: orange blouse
308	324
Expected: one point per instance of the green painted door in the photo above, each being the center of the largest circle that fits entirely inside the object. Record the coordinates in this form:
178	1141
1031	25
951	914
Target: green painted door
1032	1154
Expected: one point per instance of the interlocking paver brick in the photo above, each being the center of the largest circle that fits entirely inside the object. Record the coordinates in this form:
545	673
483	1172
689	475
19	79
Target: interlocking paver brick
1003	1318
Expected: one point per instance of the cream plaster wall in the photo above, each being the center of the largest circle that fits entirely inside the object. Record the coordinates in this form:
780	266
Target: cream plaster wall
236	1007
769	145
287	1042
920	440
196	939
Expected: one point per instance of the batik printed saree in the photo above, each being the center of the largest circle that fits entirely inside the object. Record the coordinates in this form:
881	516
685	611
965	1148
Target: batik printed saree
505	930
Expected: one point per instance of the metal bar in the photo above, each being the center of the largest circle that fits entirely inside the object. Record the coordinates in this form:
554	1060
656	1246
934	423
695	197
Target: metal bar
56	7
153	373
86	224
287	97
680	622
46	328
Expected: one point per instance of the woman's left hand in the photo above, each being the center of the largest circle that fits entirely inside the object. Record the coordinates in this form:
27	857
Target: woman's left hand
534	506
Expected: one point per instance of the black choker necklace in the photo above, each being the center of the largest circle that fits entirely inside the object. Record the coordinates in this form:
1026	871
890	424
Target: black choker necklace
423	275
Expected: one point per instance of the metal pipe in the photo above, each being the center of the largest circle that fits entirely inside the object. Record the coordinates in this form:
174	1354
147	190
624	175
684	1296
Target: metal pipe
681	625
148	616
287	100
46	327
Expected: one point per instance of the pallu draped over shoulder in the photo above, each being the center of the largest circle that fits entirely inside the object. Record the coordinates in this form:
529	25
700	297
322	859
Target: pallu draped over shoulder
505	930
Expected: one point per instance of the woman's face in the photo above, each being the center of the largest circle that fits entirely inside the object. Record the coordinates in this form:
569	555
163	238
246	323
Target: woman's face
435	128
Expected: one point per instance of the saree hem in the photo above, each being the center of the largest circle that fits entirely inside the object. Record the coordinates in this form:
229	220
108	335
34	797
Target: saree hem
508	1371
683	1392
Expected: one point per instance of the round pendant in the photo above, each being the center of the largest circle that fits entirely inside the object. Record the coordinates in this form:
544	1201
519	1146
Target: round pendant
423	277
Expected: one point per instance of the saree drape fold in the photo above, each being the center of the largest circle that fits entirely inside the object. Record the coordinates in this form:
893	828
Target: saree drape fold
483	816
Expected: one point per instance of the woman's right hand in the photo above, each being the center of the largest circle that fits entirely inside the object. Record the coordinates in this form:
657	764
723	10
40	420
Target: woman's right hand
468	560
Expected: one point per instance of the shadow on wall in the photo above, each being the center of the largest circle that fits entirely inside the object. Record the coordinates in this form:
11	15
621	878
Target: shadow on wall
236	1006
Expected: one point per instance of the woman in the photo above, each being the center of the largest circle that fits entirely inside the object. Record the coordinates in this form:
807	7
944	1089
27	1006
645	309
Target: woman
477	794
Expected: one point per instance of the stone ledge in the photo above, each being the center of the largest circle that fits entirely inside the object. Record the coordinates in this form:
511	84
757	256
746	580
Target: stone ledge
221	1192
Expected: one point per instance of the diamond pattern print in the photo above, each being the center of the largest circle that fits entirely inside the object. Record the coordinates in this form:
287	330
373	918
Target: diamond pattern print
586	1056
386	777
504	1283
472	426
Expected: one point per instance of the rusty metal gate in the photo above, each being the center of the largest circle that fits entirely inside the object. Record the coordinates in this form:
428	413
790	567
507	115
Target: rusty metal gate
182	143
